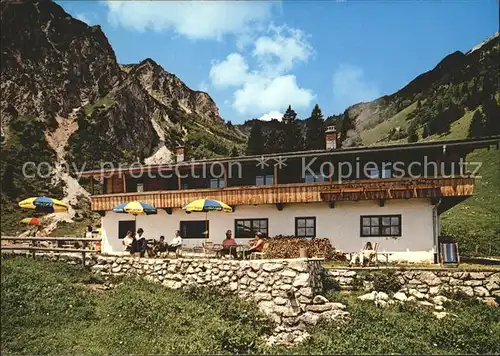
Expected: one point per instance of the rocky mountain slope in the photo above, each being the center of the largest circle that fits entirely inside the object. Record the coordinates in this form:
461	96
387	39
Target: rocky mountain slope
62	76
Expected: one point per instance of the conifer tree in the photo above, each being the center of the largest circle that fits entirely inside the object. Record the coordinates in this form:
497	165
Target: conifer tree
315	130
412	133
476	127
255	144
294	138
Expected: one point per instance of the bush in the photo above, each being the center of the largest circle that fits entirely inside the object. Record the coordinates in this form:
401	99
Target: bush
386	282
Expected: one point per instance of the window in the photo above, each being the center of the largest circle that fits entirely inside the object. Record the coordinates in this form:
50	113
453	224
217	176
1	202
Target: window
267	179
217	183
311	178
197	229
124	227
246	228
380	225
305	227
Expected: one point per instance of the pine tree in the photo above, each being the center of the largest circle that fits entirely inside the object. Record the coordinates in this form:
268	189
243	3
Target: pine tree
412	133
275	138
315	130
419	104
289	114
255	144
476	127
234	152
491	112
425	132
346	125
294	139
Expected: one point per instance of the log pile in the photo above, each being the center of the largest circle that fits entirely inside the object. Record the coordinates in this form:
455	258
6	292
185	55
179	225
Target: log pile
289	247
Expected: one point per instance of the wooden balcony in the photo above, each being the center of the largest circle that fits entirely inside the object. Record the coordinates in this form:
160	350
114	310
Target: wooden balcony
399	189
298	193
248	195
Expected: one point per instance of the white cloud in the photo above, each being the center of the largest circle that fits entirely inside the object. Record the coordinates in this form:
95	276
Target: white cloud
282	49
350	87
233	71
260	94
271	115
269	87
194	19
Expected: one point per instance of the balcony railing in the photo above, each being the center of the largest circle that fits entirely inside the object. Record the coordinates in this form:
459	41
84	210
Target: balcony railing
399	189
297	193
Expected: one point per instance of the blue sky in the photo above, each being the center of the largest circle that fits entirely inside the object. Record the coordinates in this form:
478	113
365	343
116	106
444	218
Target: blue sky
255	58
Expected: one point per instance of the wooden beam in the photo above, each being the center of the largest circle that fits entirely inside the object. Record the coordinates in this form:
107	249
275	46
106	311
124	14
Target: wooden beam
92	185
124	183
179	182
275	174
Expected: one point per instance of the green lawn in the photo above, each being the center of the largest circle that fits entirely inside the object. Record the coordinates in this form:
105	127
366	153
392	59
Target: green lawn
48	308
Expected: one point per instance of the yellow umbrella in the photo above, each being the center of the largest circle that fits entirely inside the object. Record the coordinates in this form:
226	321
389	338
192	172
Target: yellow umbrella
44	204
206	205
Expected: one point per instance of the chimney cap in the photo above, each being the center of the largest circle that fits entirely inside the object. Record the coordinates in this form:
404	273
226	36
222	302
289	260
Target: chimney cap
331	128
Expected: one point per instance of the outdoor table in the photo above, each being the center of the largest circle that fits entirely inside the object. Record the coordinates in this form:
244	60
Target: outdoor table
386	255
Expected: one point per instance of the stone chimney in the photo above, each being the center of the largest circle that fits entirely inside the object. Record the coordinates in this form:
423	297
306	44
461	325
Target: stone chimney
179	154
331	138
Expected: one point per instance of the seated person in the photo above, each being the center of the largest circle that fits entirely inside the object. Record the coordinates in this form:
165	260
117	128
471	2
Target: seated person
176	243
256	245
229	245
128	241
141	243
364	256
160	246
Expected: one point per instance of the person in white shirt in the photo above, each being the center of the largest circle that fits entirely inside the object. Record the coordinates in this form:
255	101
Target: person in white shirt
175	244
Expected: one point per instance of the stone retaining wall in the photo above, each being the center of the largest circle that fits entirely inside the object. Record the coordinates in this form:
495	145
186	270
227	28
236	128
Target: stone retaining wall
286	290
483	284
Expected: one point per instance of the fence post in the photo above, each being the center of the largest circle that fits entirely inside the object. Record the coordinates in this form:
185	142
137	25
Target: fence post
33	246
83	259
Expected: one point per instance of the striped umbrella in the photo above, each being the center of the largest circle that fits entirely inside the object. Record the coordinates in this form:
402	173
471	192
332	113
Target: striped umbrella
135	208
206	205
31	221
44	204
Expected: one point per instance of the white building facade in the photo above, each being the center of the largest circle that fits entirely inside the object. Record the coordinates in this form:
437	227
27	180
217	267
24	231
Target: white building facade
342	225
400	213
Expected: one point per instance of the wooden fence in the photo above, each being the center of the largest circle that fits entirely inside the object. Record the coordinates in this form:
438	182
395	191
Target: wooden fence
31	246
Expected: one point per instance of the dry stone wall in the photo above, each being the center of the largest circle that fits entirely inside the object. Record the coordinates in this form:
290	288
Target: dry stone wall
286	290
481	284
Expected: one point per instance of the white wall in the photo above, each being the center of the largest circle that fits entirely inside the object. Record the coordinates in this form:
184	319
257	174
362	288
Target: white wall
340	224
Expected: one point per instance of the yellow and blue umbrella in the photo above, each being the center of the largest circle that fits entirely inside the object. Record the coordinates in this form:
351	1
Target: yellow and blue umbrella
206	205
135	208
44	204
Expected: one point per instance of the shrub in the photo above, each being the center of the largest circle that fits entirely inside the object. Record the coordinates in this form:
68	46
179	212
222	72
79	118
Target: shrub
386	282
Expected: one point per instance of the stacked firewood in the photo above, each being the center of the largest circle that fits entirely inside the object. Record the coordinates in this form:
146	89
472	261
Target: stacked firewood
289	247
